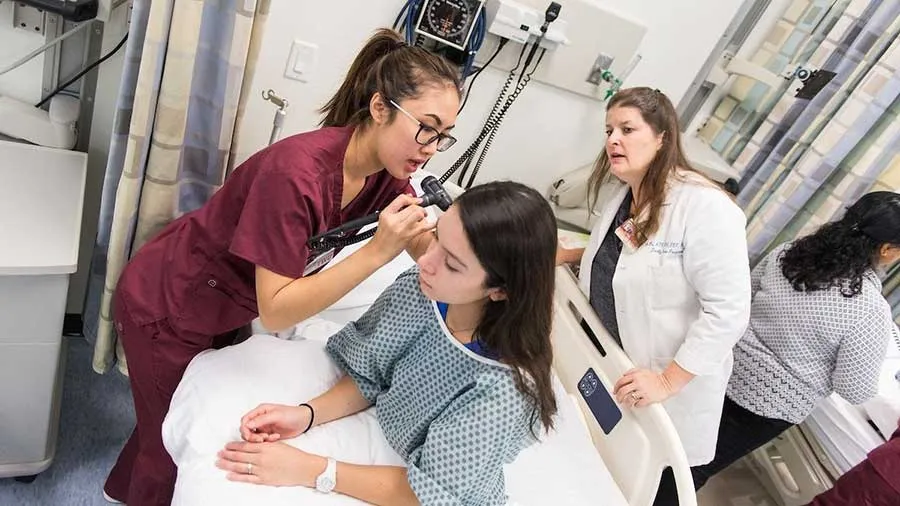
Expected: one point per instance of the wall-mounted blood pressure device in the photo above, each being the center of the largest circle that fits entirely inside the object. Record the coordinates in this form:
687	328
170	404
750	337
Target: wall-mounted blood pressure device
449	22
454	29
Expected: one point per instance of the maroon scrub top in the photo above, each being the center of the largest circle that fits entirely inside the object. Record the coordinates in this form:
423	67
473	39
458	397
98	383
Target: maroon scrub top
886	460
199	272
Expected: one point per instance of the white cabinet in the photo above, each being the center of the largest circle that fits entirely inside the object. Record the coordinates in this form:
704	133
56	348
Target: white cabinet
41	197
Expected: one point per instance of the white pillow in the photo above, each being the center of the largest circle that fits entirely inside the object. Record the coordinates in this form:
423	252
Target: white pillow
351	306
221	386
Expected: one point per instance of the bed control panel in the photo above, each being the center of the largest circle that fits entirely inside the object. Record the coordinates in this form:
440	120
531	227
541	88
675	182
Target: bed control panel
598	399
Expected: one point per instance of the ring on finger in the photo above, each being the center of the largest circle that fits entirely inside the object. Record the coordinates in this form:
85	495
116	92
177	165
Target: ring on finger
249	468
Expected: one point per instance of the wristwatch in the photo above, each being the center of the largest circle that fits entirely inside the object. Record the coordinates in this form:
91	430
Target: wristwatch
328	479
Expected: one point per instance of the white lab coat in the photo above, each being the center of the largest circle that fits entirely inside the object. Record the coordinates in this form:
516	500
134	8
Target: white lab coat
685	296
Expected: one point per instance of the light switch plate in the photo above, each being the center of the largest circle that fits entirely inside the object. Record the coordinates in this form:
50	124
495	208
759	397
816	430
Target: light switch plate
302	61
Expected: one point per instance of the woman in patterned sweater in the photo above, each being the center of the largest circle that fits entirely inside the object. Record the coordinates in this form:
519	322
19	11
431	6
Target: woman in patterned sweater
818	324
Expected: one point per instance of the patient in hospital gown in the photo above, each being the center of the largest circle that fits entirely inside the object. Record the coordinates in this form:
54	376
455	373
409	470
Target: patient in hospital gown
455	356
453	415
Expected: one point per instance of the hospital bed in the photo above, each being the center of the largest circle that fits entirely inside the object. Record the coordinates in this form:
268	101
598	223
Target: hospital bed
579	463
808	458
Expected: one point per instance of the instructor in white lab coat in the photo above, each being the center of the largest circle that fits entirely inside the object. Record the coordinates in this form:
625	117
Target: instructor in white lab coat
666	269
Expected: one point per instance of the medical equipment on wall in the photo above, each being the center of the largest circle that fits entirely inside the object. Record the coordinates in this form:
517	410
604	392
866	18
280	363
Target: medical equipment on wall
813	81
450	22
601	73
55	126
70	10
455	29
25	59
280	113
433	193
504	101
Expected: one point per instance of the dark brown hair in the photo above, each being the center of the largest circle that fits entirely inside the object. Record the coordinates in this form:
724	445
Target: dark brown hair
387	65
840	253
513	233
657	111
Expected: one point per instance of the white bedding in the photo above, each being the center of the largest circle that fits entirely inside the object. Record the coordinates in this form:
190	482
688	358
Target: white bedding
565	469
843	432
884	409
220	386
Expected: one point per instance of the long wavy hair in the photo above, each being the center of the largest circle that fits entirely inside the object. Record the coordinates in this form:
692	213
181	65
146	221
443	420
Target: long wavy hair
840	253
513	233
658	112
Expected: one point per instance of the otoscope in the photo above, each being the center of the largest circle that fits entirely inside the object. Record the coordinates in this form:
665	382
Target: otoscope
433	194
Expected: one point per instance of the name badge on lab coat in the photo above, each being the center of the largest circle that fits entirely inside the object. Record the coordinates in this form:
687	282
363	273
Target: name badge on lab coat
318	262
627	233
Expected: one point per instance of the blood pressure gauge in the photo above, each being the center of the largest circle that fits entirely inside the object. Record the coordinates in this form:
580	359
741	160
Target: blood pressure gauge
449	22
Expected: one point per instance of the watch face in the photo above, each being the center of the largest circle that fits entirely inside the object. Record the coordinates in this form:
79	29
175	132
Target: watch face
325	484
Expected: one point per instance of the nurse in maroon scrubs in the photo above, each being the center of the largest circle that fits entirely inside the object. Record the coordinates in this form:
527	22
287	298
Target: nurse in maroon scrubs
244	253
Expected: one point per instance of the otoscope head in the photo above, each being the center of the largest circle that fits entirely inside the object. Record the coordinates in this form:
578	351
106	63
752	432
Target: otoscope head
435	194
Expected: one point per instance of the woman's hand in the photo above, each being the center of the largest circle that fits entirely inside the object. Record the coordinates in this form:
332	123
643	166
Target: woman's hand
642	387
272	422
270	464
398	223
568	256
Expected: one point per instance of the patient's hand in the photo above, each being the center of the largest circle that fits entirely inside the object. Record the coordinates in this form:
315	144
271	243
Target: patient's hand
272	422
270	464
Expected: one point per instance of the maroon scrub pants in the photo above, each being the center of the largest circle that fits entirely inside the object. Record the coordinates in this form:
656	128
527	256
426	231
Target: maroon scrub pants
157	355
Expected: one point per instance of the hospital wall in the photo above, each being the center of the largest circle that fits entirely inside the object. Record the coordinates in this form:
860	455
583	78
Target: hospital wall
547	133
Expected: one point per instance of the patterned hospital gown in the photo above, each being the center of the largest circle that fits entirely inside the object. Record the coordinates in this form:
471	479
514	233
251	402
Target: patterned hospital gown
454	416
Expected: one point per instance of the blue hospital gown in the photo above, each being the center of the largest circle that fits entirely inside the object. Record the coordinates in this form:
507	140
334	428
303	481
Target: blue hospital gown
453	416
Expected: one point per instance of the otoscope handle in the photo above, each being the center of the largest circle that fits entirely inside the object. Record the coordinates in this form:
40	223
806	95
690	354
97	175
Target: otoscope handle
360	222
351	225
433	194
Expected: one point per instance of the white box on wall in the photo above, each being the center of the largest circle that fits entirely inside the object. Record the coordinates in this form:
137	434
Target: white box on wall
589	29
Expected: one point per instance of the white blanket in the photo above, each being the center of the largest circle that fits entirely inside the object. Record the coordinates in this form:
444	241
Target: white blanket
884	409
220	386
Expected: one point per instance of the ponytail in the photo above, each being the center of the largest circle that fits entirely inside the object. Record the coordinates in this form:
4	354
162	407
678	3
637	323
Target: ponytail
388	66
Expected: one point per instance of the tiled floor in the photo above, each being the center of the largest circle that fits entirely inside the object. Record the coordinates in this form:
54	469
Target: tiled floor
735	486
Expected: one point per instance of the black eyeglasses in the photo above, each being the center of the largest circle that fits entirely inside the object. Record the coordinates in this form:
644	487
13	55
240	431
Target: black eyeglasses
426	134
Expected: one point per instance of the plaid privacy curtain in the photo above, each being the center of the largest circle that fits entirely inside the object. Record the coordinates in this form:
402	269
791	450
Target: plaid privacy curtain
802	161
181	96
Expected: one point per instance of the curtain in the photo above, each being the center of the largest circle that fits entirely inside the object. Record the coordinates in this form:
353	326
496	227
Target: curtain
183	79
803	161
